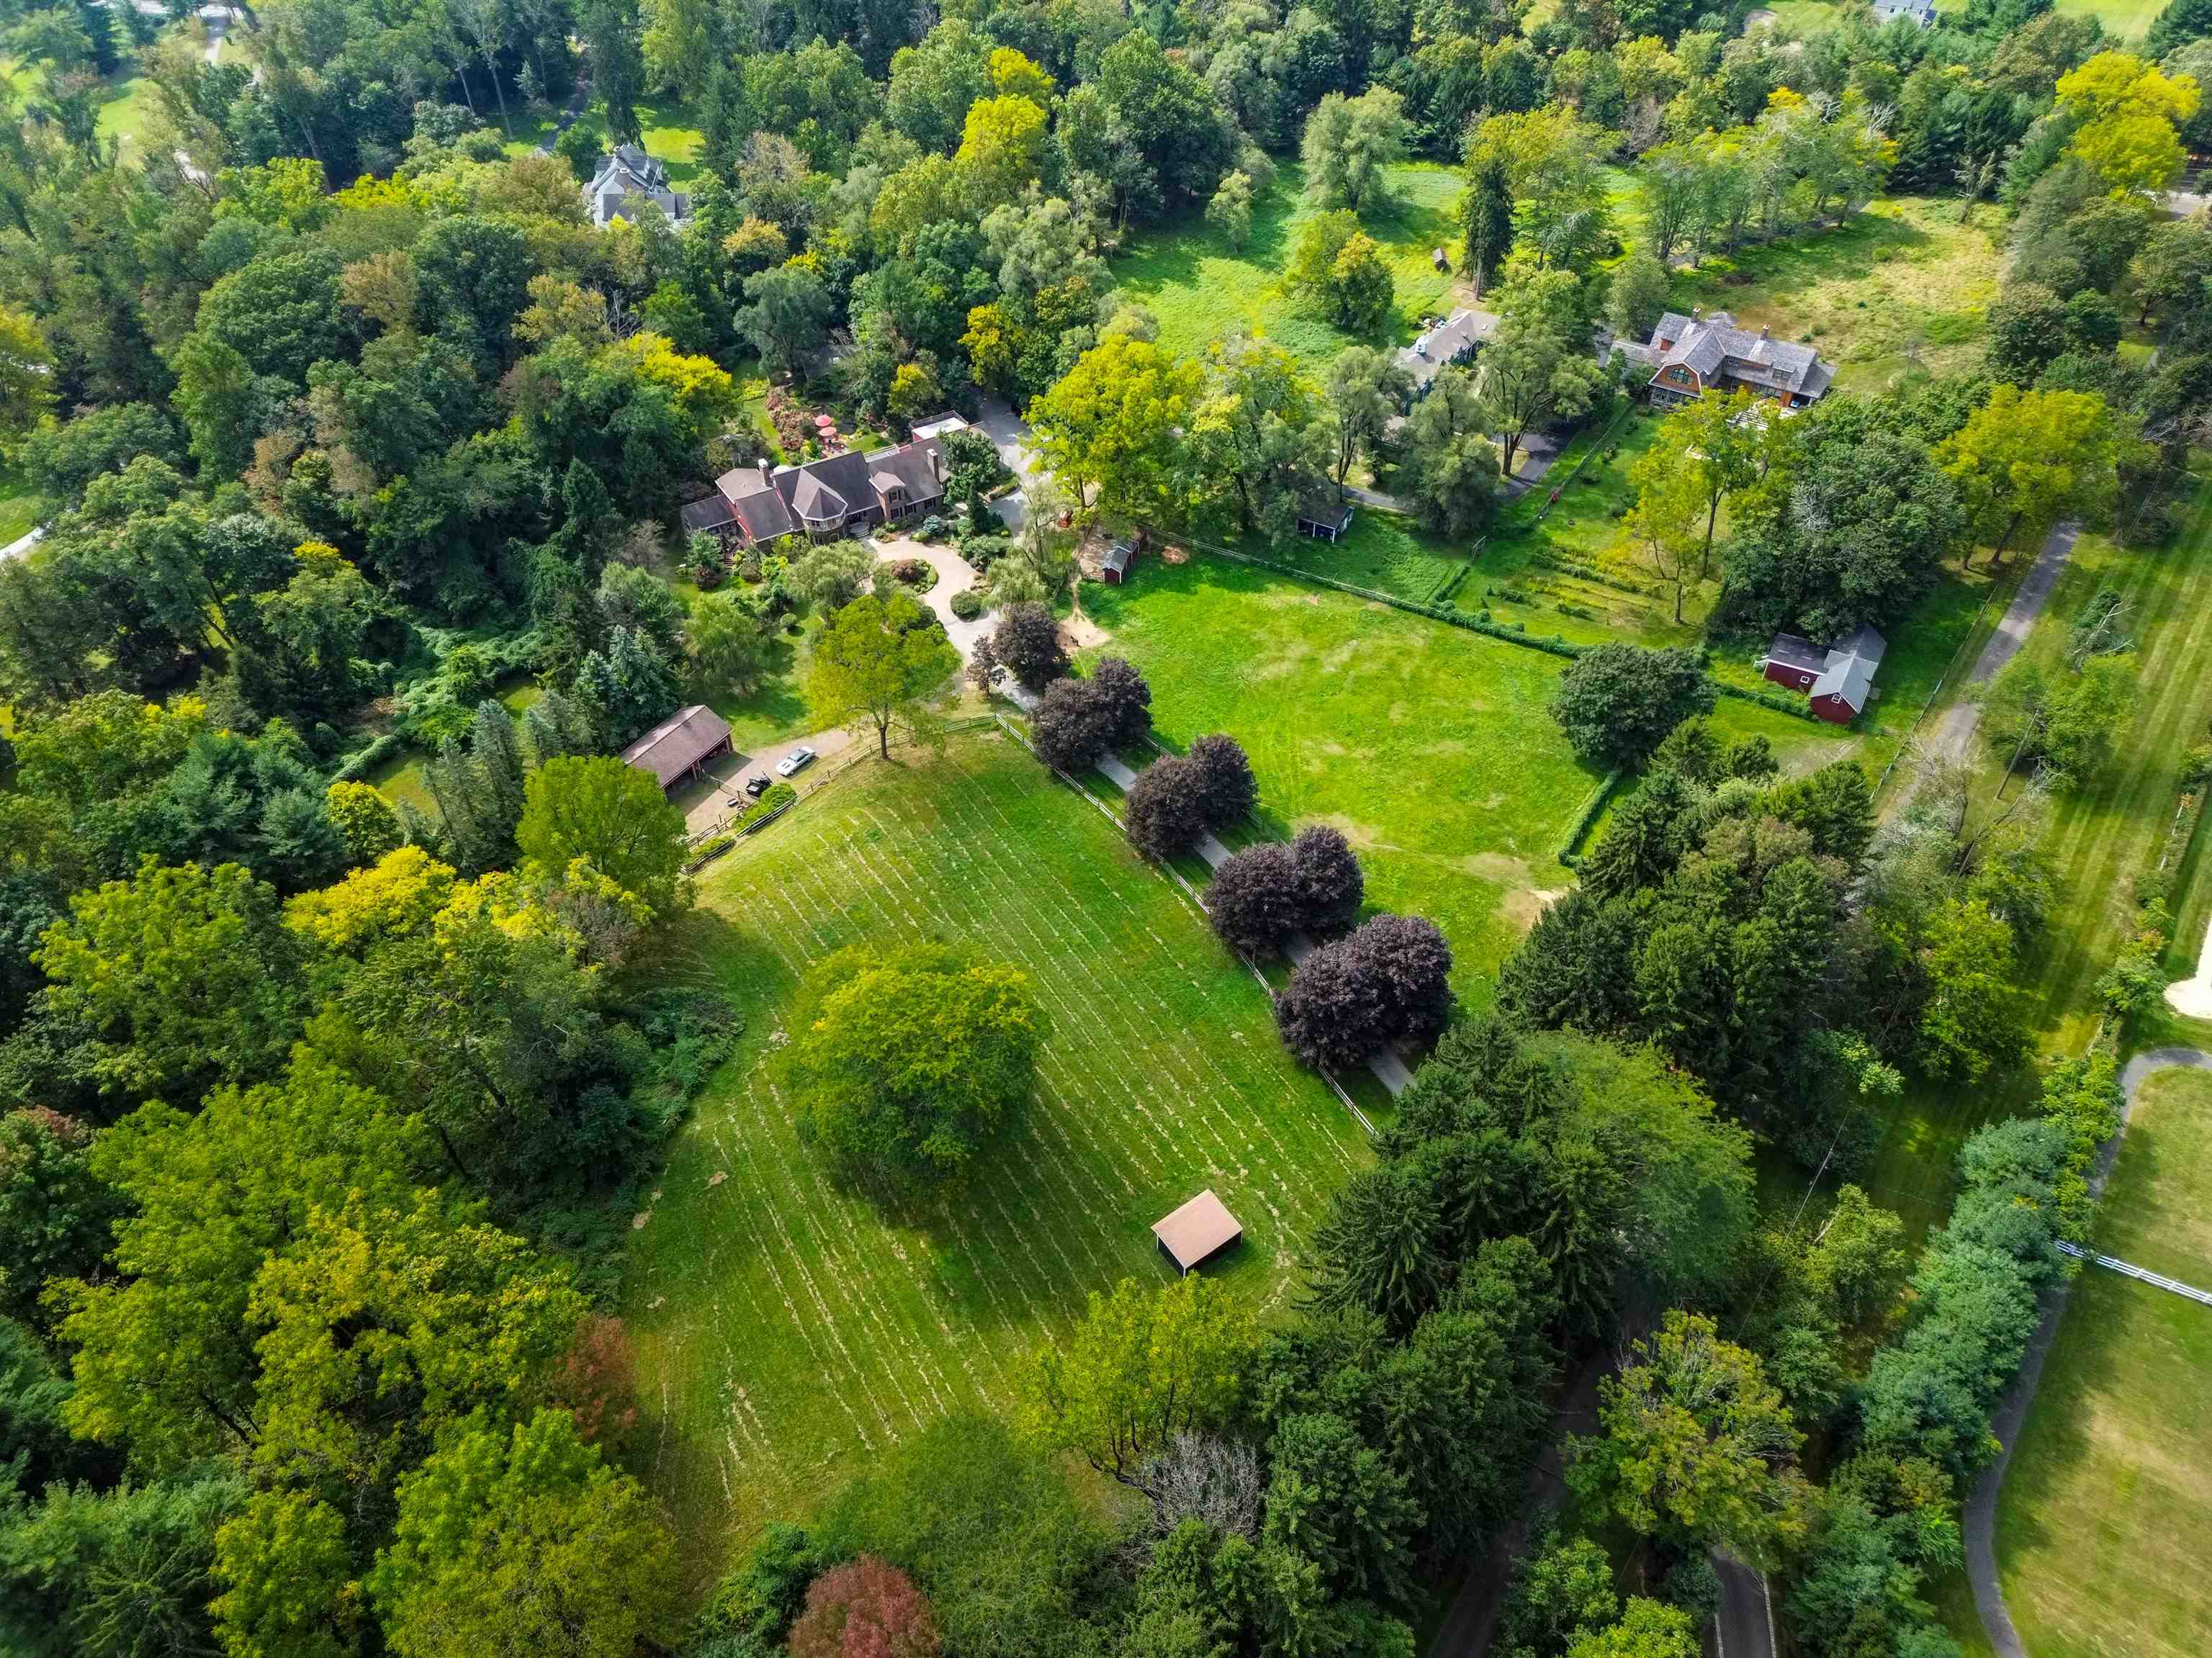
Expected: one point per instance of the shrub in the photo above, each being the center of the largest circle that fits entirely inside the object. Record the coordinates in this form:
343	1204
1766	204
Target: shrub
1387	982
867	1609
968	603
933	528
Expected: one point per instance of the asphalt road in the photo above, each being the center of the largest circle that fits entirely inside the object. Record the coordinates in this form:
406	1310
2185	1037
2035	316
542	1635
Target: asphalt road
1744	1626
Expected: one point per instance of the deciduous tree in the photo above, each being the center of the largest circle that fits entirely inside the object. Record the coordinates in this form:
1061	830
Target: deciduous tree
613	817
881	659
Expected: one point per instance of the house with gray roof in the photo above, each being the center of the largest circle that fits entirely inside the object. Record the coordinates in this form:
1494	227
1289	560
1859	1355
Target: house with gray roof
1922	12
627	181
1691	355
1445	344
1837	679
823	499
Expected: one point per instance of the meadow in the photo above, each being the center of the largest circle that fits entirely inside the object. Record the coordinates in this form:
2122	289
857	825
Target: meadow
2106	1511
1201	290
1432	748
787	1331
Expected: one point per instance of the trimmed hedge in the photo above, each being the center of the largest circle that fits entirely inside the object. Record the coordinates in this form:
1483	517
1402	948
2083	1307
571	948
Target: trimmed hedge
779	796
363	761
1789	705
1570	849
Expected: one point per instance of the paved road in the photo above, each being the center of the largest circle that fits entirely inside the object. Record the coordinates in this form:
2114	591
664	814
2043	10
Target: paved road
1743	1627
1471	1622
23	543
1980	1520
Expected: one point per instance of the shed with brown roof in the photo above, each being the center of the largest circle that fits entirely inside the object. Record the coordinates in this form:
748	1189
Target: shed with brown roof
680	744
1197	1232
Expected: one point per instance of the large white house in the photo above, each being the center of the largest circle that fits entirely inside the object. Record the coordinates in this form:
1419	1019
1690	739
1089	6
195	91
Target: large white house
627	181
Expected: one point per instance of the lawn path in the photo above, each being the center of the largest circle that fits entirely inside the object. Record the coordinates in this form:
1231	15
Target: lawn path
1980	1518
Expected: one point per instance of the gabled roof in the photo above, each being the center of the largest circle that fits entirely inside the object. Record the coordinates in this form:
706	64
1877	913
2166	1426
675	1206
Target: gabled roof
627	172
1117	558
678	742
912	467
1849	669
1792	651
712	514
1704	344
1447	342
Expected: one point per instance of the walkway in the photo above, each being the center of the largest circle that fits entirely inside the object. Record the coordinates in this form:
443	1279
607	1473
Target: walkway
1377	500
1389	1065
1982	1506
23	543
955	575
1955	732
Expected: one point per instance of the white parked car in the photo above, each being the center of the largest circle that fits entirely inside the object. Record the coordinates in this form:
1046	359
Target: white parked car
794	762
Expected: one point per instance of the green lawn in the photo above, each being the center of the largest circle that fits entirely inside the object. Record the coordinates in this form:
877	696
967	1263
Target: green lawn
124	107
2124	20
667	131
1901	283
2097	841
1201	290
786	1333
20	509
2106	1514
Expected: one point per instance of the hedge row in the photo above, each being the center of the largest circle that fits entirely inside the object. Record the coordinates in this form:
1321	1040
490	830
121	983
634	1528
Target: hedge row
368	758
1590	573
1789	705
1570	849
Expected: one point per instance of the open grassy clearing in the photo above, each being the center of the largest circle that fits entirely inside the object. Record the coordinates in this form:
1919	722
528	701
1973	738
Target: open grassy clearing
2107	1514
2097	840
1900	284
1202	290
2124	20
787	1331
666	132
20	509
1430	747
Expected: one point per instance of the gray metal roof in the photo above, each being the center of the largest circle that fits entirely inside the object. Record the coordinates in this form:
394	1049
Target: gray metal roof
1793	651
678	742
1453	340
1116	558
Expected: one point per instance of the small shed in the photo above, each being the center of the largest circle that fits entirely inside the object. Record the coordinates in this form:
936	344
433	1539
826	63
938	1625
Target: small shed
1114	564
1197	1232
680	744
1326	520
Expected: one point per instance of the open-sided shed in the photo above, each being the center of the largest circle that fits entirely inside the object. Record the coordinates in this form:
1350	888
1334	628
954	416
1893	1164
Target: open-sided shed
1197	1232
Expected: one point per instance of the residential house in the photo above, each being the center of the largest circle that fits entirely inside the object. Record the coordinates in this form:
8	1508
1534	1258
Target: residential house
822	500
1453	341
1837	679
1922	12
1693	355
628	180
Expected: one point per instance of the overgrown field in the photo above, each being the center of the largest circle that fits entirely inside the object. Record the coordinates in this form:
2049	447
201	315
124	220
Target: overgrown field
2107	1514
1202	290
2098	838
1902	283
1430	747
786	1331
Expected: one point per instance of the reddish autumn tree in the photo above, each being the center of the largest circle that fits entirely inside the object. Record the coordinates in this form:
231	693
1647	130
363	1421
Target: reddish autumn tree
597	1381
869	1609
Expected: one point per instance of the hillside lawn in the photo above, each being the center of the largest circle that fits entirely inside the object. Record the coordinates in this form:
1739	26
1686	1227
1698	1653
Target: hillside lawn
787	1332
665	125
2097	841
1430	747
1202	290
2106	1518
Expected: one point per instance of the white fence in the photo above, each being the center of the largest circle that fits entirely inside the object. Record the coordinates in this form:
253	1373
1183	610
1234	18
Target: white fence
2158	1279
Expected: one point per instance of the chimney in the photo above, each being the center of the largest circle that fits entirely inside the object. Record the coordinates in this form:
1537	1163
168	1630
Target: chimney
1695	312
1762	336
762	463
937	461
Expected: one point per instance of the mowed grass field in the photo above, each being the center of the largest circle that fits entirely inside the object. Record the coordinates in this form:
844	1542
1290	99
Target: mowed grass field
2097	839
786	1331
2106	1519
1432	748
1202	290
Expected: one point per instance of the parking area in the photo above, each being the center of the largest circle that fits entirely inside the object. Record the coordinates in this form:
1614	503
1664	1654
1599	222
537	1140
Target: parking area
721	790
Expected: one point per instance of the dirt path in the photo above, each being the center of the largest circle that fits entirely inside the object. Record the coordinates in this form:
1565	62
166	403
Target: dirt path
1956	729
1980	1520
